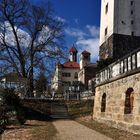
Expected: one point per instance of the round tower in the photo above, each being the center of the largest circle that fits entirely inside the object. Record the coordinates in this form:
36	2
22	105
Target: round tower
84	59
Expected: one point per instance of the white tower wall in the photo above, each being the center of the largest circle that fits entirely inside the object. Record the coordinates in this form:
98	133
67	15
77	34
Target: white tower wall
118	18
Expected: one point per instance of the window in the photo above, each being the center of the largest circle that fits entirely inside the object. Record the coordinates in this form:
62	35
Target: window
132	33
106	8
129	99
106	31
132	2
66	74
103	103
76	75
66	83
132	12
132	22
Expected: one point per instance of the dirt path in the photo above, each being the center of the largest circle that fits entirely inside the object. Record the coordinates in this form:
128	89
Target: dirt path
71	130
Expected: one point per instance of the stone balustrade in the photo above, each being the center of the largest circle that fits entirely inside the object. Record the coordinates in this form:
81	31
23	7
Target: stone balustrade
126	65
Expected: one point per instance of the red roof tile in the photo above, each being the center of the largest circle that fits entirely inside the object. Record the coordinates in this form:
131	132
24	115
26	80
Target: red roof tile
71	65
73	49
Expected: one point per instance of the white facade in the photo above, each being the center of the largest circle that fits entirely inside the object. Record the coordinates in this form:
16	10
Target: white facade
73	75
120	17
64	77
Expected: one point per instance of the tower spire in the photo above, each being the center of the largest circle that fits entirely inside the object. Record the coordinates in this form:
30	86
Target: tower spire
73	54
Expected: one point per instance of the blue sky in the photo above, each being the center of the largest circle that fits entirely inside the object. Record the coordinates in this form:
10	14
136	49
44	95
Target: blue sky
82	18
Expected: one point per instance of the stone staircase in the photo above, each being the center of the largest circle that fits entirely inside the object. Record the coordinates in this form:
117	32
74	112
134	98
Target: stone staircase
59	111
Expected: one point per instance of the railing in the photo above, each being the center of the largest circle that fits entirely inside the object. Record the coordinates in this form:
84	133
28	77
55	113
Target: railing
127	64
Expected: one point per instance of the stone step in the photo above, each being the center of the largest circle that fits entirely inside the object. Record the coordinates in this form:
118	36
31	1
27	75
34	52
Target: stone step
59	111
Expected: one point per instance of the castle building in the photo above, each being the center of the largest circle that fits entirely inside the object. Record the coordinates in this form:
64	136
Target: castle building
66	74
119	28
71	73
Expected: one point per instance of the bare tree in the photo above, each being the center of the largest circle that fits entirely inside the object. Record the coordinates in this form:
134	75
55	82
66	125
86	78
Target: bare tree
29	36
41	84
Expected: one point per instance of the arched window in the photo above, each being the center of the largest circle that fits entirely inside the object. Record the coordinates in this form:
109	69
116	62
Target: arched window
103	103
76	75
129	99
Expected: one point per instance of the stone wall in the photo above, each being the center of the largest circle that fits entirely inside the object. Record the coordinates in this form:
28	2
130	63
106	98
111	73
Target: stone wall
117	46
115	104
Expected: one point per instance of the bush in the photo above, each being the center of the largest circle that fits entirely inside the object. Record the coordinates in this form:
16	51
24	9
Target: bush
13	107
3	119
10	98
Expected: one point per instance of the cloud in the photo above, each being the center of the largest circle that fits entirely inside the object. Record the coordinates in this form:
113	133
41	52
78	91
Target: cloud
94	31
86	39
76	20
91	45
60	19
23	37
79	34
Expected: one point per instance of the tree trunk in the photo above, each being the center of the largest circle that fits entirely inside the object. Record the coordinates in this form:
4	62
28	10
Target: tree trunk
31	83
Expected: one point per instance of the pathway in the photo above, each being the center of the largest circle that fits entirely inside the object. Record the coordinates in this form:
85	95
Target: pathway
71	130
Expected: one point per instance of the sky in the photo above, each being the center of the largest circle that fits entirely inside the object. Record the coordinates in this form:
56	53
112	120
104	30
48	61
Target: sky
82	19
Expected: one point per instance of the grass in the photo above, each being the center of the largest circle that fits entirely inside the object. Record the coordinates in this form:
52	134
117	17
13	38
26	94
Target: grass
38	125
111	132
45	131
32	130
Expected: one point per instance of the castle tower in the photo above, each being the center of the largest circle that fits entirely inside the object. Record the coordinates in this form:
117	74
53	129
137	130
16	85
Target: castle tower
119	28
84	59
73	54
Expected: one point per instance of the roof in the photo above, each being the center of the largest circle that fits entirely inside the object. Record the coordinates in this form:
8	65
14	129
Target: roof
86	52
70	64
73	49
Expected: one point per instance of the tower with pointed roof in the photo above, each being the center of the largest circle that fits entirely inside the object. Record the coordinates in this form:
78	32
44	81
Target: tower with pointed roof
67	73
73	54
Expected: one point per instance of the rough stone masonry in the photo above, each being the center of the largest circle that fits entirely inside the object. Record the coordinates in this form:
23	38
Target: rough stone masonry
114	114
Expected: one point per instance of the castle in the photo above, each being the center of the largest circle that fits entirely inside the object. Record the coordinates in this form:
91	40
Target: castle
71	72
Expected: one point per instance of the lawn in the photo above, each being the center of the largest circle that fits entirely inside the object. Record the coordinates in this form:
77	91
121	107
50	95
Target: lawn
33	130
111	132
